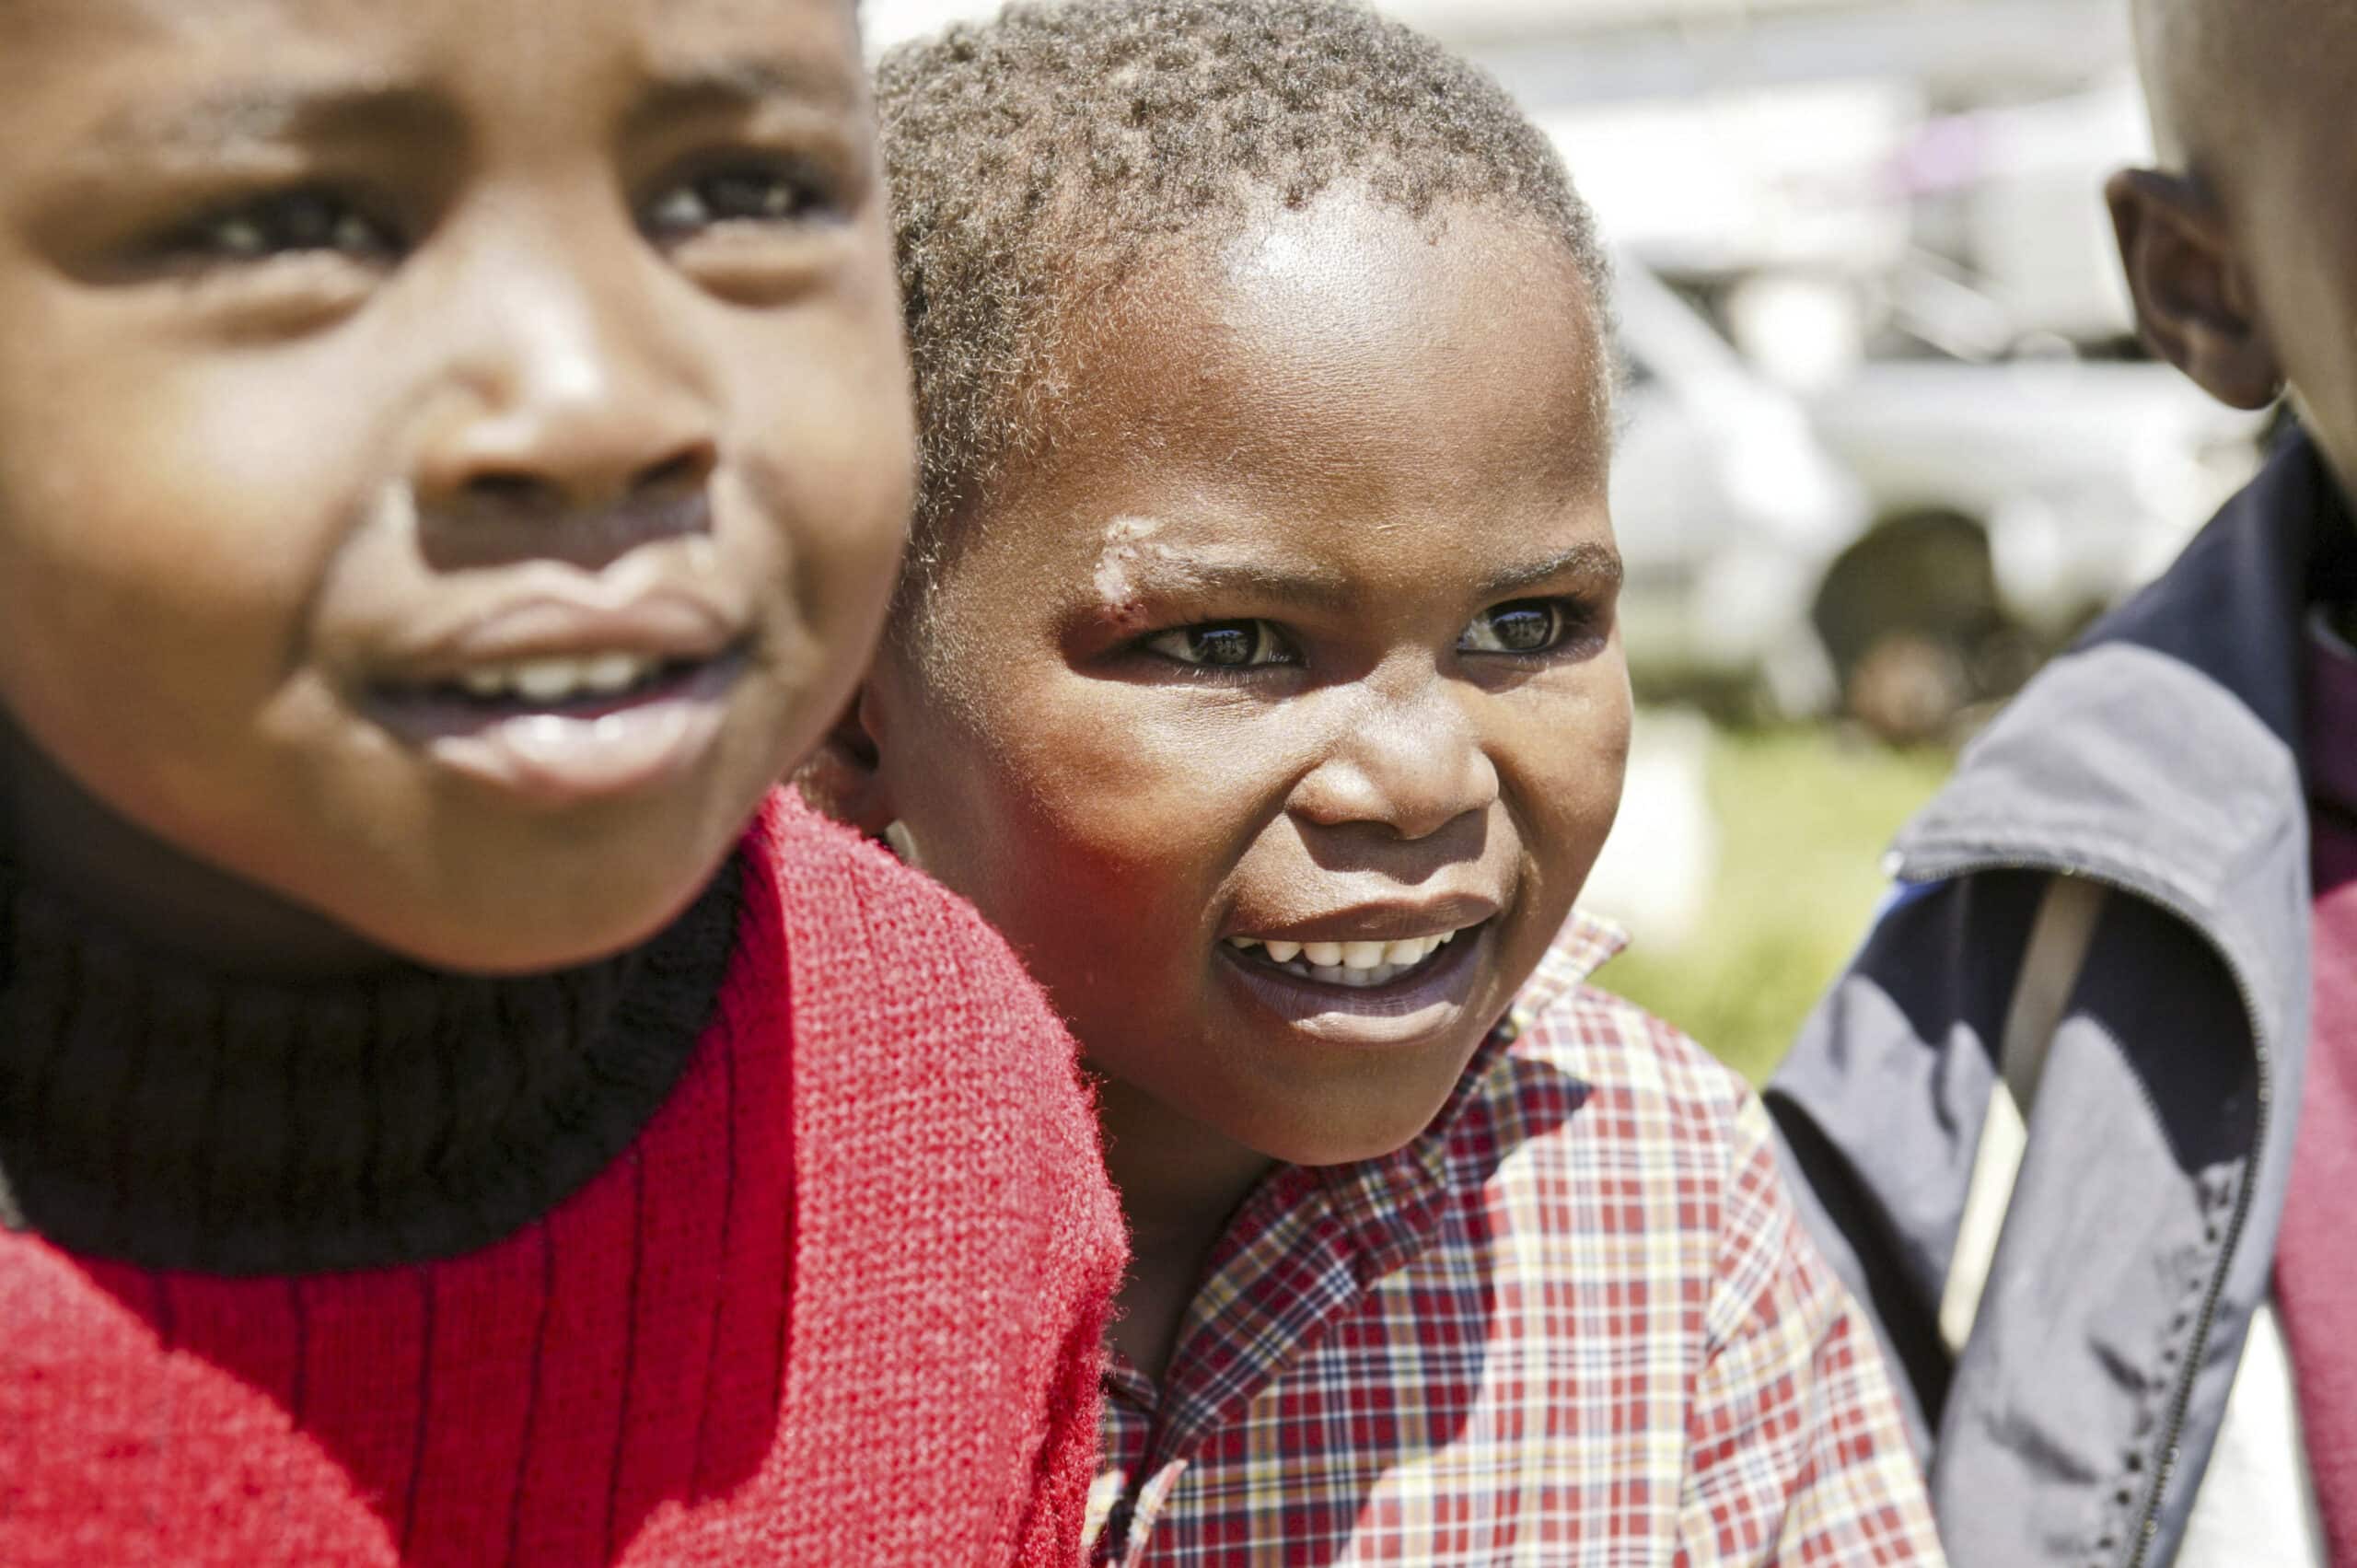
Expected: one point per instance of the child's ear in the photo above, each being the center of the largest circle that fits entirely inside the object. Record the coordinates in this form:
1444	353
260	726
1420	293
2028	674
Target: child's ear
2192	299
844	778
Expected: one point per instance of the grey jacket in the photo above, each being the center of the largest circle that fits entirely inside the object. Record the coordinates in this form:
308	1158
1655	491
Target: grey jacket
2160	757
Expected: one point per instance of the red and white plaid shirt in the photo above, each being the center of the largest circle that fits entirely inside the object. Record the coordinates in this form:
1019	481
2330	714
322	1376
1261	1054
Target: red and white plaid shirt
1575	1322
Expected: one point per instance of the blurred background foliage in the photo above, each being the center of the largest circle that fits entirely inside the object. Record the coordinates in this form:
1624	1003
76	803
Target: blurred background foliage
1805	814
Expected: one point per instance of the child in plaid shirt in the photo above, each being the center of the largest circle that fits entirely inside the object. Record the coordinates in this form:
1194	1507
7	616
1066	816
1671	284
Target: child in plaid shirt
1256	672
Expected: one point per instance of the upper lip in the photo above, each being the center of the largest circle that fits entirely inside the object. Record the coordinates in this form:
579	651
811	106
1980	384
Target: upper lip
1377	921
672	624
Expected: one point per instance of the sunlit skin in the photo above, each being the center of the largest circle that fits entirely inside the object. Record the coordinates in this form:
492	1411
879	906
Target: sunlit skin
345	345
1351	454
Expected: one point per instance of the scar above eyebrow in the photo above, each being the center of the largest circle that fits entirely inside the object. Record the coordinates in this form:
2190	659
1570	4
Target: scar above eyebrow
1135	566
1128	542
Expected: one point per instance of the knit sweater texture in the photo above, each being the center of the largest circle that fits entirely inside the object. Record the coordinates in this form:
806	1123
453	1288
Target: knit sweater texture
834	1297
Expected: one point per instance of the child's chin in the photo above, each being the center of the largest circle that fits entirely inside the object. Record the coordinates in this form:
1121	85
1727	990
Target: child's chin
522	938
1322	1146
1346	1133
432	950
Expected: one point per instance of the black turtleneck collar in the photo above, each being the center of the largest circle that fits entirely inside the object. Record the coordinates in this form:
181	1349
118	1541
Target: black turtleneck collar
157	1115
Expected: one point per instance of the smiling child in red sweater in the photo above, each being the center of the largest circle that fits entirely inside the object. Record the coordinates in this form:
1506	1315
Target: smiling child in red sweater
453	457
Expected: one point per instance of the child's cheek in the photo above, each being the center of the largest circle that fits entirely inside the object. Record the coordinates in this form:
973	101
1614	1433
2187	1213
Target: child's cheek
1579	761
181	537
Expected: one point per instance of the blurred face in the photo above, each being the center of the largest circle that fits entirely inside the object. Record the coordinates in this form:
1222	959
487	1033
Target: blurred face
452	452
1277	713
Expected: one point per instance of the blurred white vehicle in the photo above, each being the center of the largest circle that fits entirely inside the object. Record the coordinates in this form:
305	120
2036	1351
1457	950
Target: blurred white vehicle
2011	502
1907	540
1728	509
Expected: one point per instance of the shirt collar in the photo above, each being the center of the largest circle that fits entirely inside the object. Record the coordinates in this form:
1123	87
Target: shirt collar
1389	1204
1585	945
1338	1230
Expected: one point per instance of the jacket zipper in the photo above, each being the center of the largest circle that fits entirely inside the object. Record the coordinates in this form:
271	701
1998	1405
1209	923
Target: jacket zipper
1907	870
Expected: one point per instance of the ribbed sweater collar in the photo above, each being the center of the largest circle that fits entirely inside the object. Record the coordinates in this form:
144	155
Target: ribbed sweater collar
157	1114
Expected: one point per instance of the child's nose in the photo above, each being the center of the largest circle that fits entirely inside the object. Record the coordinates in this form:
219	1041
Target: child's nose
1412	766
571	395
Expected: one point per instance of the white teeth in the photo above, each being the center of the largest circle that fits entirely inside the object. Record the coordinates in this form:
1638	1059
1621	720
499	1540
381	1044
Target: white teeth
613	672
1350	963
548	680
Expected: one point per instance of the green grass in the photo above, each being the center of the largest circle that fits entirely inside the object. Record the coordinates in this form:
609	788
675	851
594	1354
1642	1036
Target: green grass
1804	818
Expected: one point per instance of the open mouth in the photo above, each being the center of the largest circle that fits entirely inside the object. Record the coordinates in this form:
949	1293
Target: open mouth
582	688
1358	965
567	729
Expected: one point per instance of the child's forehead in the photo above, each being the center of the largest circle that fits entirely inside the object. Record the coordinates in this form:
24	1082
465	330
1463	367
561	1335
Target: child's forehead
1315	402
1354	268
27	20
246	52
1350	343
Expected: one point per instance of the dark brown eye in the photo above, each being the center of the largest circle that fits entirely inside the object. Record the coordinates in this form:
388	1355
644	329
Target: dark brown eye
290	223
750	193
1223	644
1526	626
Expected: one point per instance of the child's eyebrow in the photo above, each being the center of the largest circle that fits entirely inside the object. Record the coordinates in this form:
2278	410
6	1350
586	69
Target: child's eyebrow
262	112
1166	572
730	86
259	114
1163	571
1600	564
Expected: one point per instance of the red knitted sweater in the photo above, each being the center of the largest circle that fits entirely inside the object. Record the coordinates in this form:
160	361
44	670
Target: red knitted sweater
837	1303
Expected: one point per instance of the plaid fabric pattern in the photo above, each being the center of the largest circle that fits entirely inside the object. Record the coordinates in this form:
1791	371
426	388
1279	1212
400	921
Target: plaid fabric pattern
1576	1322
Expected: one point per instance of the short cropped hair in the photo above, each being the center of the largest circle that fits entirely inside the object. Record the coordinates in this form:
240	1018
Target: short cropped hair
1036	159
